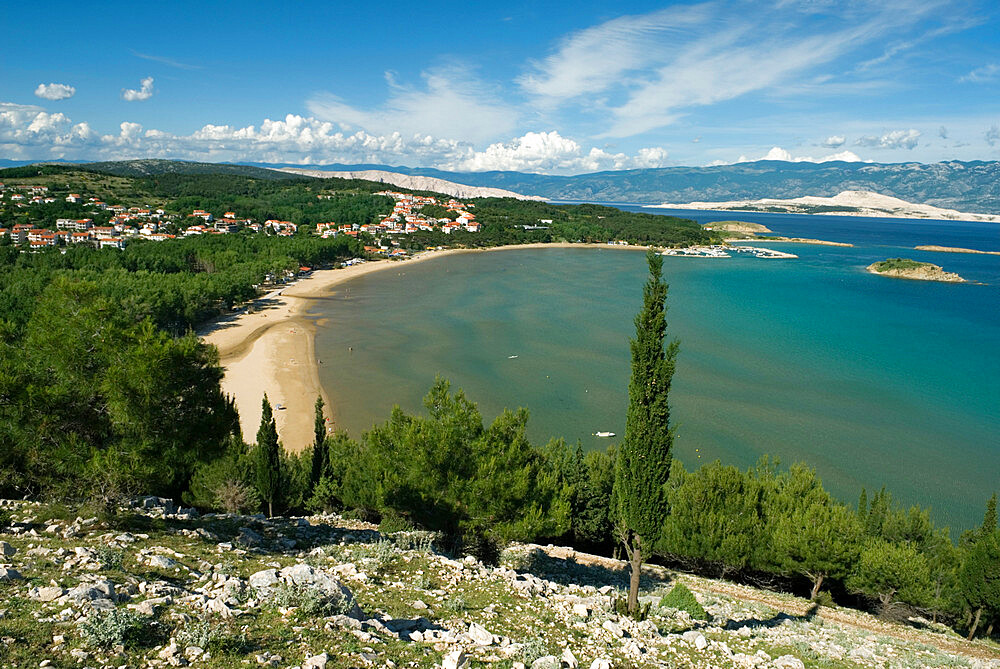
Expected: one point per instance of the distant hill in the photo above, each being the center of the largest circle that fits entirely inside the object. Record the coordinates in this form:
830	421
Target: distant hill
151	167
413	182
965	186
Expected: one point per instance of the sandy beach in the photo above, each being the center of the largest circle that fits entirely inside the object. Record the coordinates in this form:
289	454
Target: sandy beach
268	346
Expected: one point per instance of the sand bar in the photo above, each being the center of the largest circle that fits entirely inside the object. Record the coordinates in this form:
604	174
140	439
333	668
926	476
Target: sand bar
954	249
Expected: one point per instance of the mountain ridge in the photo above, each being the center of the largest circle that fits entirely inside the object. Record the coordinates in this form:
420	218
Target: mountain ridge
966	186
972	186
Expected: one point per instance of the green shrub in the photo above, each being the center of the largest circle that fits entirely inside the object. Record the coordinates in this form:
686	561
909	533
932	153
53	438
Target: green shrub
381	553
416	540
682	599
111	559
824	598
312	601
393	521
620	606
113	628
214	638
456	603
531	650
325	496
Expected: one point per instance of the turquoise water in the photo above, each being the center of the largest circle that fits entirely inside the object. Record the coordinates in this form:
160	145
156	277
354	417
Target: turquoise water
871	380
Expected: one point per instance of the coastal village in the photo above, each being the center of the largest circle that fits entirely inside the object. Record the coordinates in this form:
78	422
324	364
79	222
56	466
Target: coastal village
155	224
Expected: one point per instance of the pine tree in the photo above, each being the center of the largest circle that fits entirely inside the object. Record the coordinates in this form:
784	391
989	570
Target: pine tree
643	463
979	575
320	453
268	458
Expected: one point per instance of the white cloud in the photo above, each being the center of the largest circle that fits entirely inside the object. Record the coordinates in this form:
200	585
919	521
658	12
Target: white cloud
54	91
144	93
452	103
31	132
992	135
896	139
551	152
778	153
989	72
650	157
834	141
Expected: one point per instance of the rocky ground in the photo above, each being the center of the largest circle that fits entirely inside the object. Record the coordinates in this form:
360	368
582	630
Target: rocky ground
165	587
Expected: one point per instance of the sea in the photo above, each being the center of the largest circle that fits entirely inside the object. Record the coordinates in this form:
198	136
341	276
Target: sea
872	381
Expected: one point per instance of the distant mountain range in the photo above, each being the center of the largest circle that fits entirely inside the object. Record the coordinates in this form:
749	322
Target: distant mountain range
965	186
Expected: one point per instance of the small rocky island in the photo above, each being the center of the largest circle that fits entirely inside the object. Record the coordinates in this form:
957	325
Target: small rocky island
904	268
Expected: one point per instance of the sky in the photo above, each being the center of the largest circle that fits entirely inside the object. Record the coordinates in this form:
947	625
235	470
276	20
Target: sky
553	87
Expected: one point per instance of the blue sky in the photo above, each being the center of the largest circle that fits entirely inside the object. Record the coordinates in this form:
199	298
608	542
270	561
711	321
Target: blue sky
540	87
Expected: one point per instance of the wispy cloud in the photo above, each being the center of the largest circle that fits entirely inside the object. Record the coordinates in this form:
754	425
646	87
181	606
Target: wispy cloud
55	91
166	61
989	72
652	69
896	139
452	102
143	93
992	135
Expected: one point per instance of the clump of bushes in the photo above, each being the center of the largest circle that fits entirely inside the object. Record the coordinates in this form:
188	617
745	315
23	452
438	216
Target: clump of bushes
415	540
117	627
456	603
312	601
214	638
619	604
531	650
682	599
381	553
111	559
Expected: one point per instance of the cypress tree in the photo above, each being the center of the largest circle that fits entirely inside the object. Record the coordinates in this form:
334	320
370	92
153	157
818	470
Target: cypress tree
979	575
320	453
642	467
267	458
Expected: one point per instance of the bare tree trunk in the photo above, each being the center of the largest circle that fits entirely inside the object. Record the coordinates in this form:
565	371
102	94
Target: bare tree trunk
817	584
635	563
270	509
975	623
989	629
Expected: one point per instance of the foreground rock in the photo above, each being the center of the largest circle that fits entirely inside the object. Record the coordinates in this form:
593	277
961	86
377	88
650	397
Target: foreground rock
330	593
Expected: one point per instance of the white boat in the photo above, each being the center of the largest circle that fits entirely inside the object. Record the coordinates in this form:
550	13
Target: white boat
604	434
511	357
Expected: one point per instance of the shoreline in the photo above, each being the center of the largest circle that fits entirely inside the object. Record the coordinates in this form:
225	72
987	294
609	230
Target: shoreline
268	346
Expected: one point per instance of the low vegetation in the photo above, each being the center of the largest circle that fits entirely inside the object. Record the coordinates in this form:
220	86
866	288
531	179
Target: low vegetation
899	263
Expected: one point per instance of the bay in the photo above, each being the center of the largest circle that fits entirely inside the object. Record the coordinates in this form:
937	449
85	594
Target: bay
871	380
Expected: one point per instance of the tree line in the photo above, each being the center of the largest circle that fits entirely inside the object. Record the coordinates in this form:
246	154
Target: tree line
104	388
